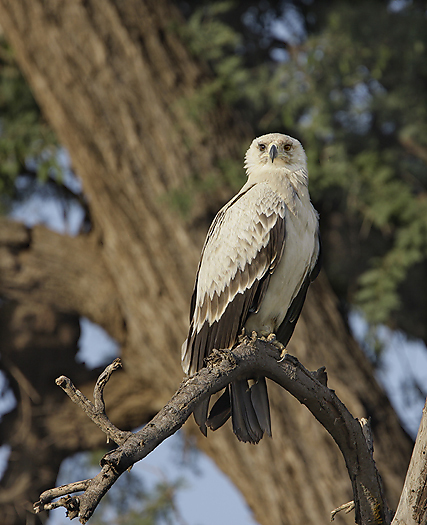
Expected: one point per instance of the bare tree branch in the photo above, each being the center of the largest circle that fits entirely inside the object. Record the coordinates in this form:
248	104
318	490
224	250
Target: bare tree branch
412	508
96	411
248	359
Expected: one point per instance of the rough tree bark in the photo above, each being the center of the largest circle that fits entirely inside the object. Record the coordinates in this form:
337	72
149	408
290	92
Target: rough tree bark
115	81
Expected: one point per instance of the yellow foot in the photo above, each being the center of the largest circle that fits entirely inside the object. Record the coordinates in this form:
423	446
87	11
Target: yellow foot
265	336
242	337
270	338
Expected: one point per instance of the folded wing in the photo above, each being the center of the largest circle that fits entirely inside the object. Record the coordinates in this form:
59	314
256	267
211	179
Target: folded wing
243	247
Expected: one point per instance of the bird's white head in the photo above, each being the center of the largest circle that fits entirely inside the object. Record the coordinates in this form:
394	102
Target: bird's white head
275	151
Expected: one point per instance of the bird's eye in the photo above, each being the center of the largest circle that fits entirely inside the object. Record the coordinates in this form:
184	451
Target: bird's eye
287	147
261	147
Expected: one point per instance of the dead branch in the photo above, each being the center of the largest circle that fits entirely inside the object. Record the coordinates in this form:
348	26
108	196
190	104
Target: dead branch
412	508
96	411
248	359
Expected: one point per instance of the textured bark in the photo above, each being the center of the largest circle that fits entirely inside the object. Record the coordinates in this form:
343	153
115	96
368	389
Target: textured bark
412	508
117	84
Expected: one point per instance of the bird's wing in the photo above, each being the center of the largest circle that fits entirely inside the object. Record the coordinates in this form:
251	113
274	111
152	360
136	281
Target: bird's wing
243	247
286	329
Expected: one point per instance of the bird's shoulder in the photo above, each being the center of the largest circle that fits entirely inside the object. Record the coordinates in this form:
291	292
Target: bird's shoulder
238	238
251	205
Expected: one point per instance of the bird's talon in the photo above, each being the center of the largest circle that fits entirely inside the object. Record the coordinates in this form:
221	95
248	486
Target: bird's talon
279	346
282	354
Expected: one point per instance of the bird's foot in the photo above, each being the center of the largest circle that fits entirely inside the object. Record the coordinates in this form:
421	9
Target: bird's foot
278	345
264	335
242	338
269	337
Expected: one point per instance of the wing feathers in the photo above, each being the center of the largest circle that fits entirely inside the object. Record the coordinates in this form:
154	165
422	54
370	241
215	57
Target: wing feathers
243	247
286	329
220	412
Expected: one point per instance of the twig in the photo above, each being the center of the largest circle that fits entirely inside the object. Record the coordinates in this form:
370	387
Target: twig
96	412
347	508
248	359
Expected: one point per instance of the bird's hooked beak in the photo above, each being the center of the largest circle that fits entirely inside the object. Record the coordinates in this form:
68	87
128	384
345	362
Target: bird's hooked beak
273	152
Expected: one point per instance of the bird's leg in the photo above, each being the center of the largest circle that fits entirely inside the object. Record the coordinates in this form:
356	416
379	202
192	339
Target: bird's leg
271	338
265	335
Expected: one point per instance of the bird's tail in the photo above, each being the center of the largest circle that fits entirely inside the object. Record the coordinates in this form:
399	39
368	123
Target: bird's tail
249	409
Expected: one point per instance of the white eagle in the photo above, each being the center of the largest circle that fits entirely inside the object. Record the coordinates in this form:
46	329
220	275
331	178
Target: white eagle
260	255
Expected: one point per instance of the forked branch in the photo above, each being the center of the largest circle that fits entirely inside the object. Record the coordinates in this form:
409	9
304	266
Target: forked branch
96	411
250	358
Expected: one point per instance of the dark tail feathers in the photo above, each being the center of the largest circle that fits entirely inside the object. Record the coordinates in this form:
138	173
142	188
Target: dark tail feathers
248	407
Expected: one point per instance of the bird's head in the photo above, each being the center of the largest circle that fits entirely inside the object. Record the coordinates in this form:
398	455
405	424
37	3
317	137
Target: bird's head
275	151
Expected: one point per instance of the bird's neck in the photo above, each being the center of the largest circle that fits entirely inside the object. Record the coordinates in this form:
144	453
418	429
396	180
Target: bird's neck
292	186
282	180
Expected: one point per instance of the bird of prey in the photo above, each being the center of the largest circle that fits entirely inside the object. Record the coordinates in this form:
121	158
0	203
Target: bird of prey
261	252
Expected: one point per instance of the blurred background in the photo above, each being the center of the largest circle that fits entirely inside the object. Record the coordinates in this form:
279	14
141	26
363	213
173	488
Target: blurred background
122	132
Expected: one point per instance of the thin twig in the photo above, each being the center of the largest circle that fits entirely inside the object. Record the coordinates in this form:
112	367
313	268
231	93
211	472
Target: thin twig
98	392
347	508
48	495
96	412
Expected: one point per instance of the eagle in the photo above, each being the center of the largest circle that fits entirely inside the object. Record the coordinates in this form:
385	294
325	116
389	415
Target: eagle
260	255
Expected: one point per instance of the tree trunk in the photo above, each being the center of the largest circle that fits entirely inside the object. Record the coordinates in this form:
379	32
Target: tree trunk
117	84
